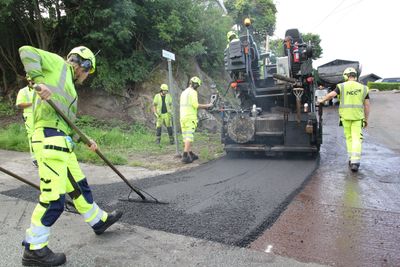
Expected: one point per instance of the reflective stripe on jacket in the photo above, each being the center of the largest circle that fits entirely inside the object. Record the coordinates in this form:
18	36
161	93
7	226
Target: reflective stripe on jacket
157	101
189	104
352	96
51	70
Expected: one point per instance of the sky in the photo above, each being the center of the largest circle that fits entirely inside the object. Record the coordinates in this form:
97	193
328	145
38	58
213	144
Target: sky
367	31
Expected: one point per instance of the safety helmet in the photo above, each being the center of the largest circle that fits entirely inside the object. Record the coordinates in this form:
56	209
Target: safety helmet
195	79
164	87
349	71
88	59
231	34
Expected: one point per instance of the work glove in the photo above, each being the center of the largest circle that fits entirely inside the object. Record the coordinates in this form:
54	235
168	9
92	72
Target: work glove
365	124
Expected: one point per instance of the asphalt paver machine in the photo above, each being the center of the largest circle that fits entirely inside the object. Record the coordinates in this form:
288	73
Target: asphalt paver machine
276	110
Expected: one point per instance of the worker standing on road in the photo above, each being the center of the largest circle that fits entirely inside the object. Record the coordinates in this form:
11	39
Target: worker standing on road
59	170
24	101
188	117
354	108
162	108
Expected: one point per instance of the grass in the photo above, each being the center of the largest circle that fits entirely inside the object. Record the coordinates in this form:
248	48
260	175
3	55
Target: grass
121	143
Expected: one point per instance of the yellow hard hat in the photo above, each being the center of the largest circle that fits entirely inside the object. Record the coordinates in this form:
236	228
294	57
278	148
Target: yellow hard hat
89	60
247	22
164	87
195	79
231	34
349	71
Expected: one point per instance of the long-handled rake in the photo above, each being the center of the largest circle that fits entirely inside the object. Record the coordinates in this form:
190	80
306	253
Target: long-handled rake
69	206
86	140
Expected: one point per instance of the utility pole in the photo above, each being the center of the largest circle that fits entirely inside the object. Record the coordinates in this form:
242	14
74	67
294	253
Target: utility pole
171	56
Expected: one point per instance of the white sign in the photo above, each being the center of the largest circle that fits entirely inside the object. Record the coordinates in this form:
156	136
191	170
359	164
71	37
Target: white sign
168	55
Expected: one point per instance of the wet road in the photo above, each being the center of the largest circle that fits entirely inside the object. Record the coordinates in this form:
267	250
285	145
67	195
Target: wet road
337	218
341	218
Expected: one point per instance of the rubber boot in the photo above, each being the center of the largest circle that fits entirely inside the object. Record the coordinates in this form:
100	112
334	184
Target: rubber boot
158	134
42	257
112	218
354	167
171	137
194	156
186	158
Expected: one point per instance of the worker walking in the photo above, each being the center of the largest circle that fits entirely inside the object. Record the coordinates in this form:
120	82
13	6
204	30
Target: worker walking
188	117
162	108
24	101
53	146
354	108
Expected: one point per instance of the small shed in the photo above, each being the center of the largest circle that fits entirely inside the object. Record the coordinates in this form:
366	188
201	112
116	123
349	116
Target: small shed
368	78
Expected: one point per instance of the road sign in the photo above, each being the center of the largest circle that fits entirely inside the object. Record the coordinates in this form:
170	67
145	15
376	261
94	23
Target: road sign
168	55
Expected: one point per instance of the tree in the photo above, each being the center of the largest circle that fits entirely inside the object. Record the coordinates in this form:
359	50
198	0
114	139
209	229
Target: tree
25	22
261	12
276	46
128	34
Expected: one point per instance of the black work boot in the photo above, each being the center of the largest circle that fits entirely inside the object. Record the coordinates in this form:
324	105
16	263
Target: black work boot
354	167
112	218
171	140
186	158
158	134
194	156
171	137
42	257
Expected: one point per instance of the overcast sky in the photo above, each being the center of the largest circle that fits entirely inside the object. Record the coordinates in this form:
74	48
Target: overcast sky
367	31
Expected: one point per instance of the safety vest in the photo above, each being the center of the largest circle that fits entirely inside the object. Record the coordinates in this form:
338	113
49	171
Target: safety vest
25	95
51	69
157	101
352	96
189	104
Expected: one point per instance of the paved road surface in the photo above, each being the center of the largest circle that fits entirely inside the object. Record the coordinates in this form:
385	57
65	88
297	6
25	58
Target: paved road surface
339	219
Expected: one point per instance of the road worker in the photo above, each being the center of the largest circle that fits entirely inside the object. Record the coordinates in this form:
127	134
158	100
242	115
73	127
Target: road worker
53	146
24	101
354	108
188	117
231	36
162	108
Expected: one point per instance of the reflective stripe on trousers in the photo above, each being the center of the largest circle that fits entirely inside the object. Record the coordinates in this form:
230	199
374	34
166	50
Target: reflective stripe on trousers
353	134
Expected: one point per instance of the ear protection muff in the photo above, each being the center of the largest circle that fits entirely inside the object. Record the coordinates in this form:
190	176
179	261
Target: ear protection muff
345	77
86	64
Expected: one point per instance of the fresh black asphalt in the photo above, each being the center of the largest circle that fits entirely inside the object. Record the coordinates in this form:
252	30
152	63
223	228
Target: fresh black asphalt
229	200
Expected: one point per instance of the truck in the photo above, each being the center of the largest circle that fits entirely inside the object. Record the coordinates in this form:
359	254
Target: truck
276	111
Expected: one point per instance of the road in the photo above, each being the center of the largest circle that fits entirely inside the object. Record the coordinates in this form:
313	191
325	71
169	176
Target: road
233	211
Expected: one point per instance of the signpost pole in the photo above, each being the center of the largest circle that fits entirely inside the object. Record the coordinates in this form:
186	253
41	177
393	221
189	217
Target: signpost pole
170	56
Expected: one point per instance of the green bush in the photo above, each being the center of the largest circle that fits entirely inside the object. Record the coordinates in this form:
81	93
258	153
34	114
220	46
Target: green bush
7	109
383	86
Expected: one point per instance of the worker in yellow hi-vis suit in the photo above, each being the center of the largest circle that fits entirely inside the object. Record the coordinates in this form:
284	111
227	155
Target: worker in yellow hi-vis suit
162	108
59	170
24	101
354	108
188	117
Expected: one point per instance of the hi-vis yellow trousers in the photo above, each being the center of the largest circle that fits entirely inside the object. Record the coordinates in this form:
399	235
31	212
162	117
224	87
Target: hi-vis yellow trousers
353	134
59	173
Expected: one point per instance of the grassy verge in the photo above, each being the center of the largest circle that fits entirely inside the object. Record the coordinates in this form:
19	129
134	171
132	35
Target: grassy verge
122	144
